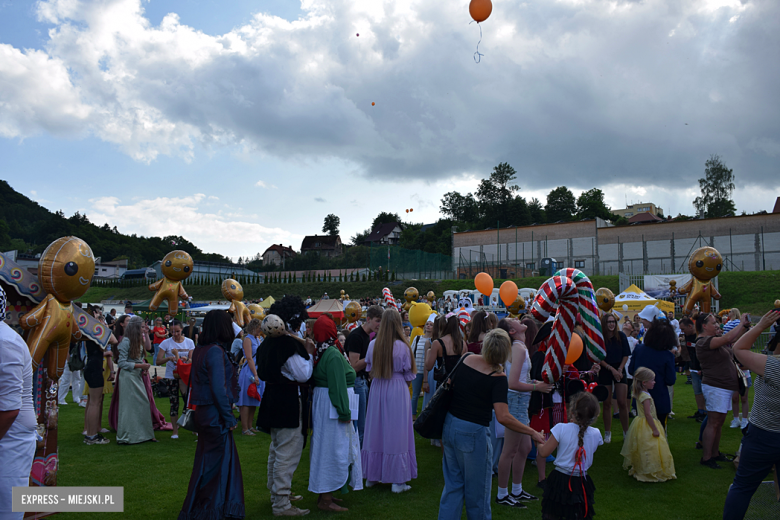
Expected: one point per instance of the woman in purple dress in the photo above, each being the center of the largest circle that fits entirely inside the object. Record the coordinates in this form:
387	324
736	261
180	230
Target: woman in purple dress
388	446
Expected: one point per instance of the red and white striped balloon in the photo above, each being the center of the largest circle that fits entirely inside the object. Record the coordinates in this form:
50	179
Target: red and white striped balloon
568	294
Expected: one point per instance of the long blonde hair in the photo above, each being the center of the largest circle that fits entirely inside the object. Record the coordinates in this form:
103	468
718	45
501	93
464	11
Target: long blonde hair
390	331
642	375
133	334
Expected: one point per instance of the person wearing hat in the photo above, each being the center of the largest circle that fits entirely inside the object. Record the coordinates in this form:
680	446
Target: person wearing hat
655	353
17	414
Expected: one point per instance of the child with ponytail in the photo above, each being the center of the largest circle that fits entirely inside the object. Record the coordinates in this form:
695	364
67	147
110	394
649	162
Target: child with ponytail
645	451
568	491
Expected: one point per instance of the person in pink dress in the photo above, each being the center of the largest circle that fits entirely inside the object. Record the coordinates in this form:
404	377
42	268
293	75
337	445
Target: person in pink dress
388	447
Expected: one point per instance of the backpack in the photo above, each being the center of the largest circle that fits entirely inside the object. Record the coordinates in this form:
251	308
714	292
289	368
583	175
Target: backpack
75	361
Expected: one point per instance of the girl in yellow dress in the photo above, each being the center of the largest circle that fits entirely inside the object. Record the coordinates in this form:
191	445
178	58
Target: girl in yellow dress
645	451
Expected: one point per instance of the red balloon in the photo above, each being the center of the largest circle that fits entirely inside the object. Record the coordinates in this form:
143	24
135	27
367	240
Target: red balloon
480	10
372	103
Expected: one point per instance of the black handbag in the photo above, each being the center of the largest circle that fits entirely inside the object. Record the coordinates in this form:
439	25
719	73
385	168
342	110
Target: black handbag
430	422
440	371
741	379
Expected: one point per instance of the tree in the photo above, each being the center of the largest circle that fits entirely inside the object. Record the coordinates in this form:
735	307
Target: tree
590	204
495	194
359	237
560	205
535	208
385	218
460	208
716	188
331	225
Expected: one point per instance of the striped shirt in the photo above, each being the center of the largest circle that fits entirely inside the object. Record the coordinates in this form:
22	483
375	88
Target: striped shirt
766	402
419	345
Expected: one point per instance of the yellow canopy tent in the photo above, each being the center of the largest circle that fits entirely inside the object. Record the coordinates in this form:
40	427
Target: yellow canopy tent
266	304
634	299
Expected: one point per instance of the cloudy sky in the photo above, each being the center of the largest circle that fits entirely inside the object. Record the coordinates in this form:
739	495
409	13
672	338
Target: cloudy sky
244	123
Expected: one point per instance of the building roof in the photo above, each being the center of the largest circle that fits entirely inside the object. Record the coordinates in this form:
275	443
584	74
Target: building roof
777	206
325	241
645	217
382	231
282	250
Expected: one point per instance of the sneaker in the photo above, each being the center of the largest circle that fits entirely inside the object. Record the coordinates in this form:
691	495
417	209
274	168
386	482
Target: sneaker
524	495
174	436
62	403
734	423
83	404
616	415
743	424
400	488
292	511
710	463
696	415
671	415
511	502
607	437
97	439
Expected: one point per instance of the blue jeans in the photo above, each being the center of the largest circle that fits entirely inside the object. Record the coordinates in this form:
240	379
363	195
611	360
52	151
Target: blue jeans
361	389
156	350
760	451
416	388
496	443
467	465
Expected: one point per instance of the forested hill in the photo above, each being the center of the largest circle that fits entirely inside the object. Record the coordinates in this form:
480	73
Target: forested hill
27	226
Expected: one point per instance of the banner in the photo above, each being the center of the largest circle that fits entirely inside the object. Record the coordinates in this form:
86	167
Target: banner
657	285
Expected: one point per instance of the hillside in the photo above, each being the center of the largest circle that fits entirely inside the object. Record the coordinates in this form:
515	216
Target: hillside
27	226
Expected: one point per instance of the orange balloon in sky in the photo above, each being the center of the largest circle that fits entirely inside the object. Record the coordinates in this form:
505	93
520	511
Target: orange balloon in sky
372	103
480	10
484	283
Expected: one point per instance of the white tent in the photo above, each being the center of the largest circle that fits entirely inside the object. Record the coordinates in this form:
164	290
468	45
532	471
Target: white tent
634	299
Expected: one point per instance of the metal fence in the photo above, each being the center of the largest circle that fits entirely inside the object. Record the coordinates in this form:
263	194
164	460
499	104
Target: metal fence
410	264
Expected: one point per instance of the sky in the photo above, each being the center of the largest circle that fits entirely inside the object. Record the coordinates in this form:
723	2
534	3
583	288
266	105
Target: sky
243	124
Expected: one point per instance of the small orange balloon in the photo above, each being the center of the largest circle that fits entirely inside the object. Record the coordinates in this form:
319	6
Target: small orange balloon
480	10
372	103
508	292
411	209
575	349
484	283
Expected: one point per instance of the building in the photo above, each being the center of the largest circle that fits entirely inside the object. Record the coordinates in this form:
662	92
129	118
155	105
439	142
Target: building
276	254
635	209
643	217
24	260
110	270
326	245
213	271
384	234
747	243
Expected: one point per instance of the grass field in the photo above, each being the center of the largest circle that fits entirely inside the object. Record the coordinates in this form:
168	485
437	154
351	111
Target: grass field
753	292
155	476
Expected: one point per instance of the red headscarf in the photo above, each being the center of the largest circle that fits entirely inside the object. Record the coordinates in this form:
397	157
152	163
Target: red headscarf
325	334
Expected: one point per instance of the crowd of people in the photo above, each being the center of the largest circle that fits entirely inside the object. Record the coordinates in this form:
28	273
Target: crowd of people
358	393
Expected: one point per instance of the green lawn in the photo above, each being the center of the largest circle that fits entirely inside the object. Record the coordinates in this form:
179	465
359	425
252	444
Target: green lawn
155	476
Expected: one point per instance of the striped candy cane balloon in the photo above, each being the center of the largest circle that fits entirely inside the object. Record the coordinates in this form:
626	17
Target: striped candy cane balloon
568	294
352	326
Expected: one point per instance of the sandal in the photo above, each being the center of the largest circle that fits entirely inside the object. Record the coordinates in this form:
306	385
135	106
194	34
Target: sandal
247	432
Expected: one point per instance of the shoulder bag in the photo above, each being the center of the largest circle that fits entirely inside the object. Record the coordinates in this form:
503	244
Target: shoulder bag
440	371
430	422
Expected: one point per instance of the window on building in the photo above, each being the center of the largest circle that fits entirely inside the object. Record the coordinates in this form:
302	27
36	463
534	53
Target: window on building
530	265
629	214
579	264
559	265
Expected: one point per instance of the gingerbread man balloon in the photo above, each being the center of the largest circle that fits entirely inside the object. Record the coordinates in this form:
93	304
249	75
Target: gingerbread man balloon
176	267
65	271
705	264
233	291
410	295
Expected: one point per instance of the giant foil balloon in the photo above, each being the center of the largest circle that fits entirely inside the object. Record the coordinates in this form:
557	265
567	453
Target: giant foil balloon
410	295
256	311
568	295
517	306
705	264
176	267
430	297
353	311
605	299
418	315
233	292
65	271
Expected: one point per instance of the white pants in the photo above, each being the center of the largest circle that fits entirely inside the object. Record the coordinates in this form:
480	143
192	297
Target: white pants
17	449
67	379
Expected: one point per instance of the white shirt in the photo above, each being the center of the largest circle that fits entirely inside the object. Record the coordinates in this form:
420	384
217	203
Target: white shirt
168	345
567	435
632	343
298	369
16	380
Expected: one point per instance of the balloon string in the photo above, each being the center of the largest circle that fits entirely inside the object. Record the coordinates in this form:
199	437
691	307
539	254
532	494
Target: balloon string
478	55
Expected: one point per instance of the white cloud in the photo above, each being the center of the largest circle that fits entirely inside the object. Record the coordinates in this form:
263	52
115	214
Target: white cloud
227	234
572	92
262	184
